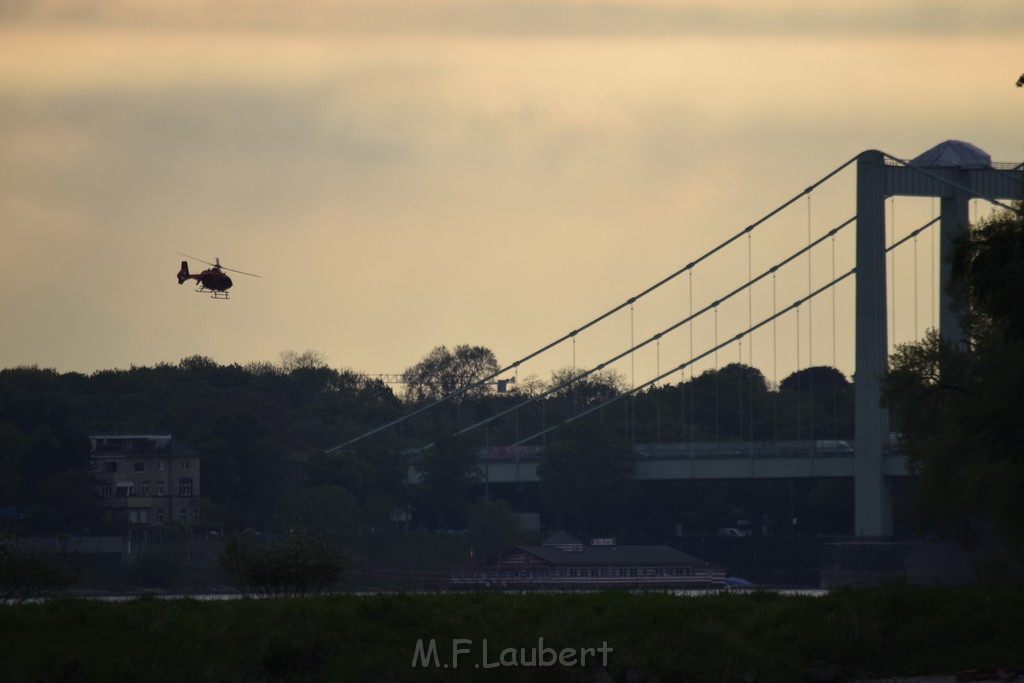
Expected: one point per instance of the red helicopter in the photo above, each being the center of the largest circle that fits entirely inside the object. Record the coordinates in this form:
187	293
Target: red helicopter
212	279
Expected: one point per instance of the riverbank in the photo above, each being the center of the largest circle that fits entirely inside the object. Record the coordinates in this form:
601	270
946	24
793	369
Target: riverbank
867	633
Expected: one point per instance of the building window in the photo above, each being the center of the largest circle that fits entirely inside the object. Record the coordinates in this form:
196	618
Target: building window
195	515
138	516
159	515
183	514
160	488
145	487
160	466
110	466
184	465
185	487
139	466
107	491
125	489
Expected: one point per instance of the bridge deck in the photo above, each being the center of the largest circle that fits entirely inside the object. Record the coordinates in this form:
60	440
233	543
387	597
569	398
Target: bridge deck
672	462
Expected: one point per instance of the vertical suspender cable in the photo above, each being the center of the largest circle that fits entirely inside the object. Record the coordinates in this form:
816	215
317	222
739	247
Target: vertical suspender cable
631	424
892	274
682	403
799	393
716	375
810	323
810	288
835	362
657	394
690	326
915	336
775	361
574	389
632	354
750	324
516	376
931	273
739	366
544	421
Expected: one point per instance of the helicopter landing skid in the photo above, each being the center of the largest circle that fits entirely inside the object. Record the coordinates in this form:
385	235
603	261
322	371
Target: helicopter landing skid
214	294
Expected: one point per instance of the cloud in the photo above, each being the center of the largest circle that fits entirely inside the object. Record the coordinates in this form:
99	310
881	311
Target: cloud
602	18
410	174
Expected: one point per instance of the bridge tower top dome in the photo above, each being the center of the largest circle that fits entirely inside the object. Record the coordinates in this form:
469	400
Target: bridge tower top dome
953	154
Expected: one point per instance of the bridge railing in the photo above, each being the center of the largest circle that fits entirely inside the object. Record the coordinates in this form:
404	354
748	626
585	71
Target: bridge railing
694	450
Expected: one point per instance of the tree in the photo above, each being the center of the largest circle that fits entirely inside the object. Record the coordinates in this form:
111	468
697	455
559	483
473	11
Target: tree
65	502
586	477
14	448
365	471
574	392
307	360
28	575
324	510
817	403
729	402
443	373
447	470
493	528
960	408
988	275
294	565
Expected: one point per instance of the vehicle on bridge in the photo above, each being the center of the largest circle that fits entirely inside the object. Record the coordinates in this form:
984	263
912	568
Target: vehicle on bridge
732	532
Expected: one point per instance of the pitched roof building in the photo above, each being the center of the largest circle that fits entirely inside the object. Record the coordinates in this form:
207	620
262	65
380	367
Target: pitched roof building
564	561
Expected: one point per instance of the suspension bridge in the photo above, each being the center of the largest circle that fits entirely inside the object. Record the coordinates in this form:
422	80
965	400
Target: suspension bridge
764	299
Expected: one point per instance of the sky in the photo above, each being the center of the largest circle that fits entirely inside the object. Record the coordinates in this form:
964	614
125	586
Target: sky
405	174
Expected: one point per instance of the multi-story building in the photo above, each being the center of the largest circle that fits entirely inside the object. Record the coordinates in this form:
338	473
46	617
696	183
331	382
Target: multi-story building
153	478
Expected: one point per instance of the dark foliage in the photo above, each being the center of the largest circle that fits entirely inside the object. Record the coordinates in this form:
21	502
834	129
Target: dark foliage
263	430
293	565
25	575
960	408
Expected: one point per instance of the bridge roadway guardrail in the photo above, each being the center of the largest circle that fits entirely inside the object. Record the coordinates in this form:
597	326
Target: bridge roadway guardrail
722	460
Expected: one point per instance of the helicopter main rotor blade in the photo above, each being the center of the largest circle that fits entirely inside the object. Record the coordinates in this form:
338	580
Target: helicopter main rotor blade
196	259
240	272
218	265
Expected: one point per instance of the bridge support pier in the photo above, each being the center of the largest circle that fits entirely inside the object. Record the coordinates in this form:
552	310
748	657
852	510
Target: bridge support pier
956	173
872	502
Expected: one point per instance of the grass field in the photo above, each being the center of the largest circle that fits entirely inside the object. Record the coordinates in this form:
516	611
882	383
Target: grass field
761	636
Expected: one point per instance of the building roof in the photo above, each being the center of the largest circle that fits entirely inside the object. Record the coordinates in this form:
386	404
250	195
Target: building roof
953	154
613	556
141	445
561	538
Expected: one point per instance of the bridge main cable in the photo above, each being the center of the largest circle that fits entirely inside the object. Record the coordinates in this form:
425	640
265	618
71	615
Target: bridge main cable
693	316
460	392
705	354
796	304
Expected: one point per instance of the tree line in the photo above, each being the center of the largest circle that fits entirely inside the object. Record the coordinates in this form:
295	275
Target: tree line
264	429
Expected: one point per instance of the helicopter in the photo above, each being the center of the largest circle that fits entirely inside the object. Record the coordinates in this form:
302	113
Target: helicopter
212	279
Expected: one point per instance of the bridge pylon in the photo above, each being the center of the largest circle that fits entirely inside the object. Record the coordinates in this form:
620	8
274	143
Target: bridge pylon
955	172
